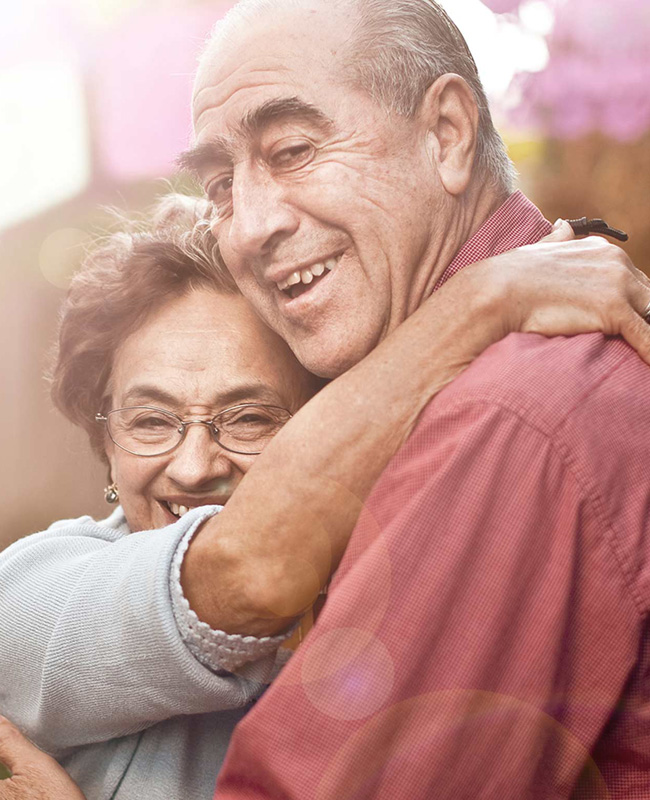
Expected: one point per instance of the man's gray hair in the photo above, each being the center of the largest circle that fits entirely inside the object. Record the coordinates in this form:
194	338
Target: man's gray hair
400	47
397	49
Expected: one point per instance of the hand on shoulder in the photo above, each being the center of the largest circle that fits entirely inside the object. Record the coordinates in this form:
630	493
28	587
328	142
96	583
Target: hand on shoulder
566	286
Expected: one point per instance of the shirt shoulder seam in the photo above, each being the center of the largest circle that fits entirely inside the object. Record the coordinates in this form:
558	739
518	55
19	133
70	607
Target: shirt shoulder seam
590	492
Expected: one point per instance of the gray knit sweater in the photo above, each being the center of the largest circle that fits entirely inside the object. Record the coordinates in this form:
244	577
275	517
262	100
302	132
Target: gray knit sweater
103	664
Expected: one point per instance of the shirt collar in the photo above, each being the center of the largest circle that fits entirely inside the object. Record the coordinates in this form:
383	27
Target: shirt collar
516	223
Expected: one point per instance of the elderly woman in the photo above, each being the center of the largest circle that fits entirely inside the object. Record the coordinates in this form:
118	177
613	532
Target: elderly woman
120	655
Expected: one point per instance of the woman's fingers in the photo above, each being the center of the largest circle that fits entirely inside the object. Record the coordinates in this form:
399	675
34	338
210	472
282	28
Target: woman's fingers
636	332
561	232
566	286
14	747
35	775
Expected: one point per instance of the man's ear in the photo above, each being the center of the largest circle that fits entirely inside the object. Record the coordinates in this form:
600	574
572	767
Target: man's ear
450	114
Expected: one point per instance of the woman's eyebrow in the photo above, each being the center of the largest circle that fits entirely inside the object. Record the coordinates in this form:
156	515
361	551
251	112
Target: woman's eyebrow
255	392
146	393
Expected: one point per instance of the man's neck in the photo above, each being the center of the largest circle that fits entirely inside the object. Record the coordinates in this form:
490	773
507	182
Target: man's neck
468	215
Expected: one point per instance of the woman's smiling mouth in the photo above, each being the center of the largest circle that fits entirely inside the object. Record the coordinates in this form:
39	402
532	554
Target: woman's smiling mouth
179	510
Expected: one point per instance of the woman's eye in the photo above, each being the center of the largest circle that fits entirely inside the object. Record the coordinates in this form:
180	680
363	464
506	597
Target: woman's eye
293	156
153	423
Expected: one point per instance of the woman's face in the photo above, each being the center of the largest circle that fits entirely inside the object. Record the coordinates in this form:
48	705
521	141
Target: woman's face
198	355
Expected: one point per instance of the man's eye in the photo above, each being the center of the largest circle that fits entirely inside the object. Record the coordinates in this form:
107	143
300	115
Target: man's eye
292	156
219	191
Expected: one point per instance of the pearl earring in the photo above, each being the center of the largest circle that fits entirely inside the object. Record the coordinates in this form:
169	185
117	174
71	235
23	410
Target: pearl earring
111	494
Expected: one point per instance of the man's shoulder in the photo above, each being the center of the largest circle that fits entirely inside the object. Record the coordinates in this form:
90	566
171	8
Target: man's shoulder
537	421
553	383
582	400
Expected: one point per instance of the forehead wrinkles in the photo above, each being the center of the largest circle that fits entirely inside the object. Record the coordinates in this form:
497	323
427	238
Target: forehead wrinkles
281	55
214	93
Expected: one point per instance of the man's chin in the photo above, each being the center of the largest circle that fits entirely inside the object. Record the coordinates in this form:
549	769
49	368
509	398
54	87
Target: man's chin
327	359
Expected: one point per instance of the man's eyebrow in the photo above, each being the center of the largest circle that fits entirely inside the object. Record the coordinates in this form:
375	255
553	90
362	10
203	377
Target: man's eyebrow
221	148
284	108
196	158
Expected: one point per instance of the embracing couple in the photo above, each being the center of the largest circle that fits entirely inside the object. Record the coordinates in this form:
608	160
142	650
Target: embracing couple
487	539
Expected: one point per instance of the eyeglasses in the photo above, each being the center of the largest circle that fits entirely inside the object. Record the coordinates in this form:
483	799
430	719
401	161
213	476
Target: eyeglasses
147	431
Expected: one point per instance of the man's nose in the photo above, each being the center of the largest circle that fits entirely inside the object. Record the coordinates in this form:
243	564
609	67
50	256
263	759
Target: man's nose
199	462
261	214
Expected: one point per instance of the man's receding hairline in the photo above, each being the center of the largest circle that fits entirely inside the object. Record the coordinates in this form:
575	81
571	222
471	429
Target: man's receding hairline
245	10
390	56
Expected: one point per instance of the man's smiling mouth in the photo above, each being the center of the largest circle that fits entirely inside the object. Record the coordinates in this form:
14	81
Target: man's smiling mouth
302	280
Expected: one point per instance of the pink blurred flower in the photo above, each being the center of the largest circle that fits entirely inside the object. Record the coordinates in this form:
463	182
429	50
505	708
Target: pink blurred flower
142	79
598	75
503	6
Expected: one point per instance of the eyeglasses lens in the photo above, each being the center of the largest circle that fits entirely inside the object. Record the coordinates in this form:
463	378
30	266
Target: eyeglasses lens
245	429
248	429
144	431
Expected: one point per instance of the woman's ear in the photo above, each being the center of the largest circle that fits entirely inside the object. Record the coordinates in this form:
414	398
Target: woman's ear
450	114
109	450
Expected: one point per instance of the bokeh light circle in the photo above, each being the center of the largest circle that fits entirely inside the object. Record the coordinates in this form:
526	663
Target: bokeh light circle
348	674
61	255
458	744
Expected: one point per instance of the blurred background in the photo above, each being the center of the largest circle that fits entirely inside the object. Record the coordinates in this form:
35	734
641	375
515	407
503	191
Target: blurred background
94	108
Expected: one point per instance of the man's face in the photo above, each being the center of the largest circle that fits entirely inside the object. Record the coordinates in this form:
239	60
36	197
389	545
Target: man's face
312	180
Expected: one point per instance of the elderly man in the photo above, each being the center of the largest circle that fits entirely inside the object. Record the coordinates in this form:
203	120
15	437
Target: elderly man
486	632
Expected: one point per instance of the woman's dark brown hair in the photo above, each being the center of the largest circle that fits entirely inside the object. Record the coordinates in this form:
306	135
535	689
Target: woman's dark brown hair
121	283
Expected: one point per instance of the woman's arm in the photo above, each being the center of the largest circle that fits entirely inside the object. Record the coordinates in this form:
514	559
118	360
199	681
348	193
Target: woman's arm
262	561
89	646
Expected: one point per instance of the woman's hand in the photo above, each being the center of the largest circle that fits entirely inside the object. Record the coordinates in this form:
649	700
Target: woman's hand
566	286
35	775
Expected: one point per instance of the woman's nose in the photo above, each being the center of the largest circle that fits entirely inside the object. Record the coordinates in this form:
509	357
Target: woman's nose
199	461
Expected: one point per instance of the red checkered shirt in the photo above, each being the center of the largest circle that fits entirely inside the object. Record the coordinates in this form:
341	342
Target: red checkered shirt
486	633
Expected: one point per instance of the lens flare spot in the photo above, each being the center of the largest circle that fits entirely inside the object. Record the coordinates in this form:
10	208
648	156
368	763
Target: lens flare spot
348	673
61	254
445	745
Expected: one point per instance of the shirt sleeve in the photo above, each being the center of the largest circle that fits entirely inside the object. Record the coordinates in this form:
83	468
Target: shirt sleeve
472	643
89	646
217	650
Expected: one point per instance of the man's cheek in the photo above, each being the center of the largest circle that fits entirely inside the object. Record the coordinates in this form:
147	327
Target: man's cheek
239	269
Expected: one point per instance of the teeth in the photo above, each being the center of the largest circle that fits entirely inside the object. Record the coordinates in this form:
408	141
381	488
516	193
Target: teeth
179	511
306	276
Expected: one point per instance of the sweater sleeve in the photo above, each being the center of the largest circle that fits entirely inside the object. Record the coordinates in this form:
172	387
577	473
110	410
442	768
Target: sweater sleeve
89	645
217	650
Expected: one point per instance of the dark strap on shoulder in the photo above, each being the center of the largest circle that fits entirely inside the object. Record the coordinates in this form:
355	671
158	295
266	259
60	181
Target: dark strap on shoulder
584	226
